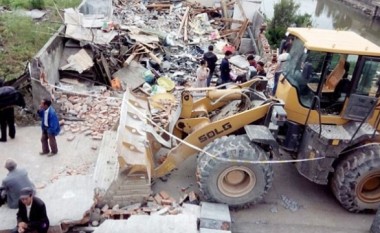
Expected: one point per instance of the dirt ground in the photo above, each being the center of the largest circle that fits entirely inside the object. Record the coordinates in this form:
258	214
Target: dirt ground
293	204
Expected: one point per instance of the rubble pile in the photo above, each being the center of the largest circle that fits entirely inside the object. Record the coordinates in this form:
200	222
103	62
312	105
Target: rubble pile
88	115
167	39
133	48
157	204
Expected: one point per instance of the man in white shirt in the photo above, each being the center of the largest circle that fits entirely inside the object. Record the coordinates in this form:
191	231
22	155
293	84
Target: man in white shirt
31	215
50	127
281	63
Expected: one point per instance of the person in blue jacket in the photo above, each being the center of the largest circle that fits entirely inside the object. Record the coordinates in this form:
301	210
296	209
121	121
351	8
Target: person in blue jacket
50	127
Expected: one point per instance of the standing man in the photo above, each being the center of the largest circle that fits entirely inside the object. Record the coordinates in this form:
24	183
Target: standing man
12	184
9	96
211	60
50	127
7	119
281	63
225	68
31	215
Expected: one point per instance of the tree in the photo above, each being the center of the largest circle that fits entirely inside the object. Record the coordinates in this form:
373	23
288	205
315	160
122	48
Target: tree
285	15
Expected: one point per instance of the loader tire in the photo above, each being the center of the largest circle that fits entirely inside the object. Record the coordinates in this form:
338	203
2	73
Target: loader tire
237	184
356	181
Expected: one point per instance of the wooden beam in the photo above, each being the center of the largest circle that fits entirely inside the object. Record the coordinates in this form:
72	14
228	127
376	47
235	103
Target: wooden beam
154	5
224	8
230	31
231	3
241	9
227	34
185	38
183	20
154	57
243	28
231	20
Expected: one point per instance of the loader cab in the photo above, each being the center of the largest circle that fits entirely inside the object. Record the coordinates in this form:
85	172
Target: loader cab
339	69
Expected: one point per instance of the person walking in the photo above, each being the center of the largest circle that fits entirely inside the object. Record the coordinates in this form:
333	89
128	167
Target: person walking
31	215
16	179
50	127
211	60
202	74
225	68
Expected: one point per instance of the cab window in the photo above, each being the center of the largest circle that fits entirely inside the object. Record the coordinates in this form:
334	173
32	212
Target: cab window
369	79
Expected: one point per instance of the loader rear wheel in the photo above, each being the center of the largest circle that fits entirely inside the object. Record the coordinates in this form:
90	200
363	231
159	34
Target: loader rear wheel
238	184
356	182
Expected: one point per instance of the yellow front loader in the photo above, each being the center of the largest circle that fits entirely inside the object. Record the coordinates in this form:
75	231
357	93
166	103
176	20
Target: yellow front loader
237	132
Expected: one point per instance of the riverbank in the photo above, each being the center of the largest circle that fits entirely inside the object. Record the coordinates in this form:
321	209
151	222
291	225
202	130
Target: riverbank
365	6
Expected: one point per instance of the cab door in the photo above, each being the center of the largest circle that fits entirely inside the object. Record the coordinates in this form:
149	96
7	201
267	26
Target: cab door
365	91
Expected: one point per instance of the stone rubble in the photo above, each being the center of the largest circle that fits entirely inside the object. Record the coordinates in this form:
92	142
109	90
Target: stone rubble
160	203
290	204
88	115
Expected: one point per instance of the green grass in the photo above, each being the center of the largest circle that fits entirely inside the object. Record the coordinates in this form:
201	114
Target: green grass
41	4
21	37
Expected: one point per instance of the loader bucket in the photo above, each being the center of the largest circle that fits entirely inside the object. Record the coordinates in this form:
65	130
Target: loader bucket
133	148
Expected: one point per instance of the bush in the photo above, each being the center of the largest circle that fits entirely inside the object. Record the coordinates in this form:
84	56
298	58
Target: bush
37	4
285	15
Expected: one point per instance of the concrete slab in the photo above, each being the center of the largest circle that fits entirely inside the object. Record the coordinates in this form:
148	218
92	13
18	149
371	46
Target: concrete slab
8	218
190	209
239	61
74	161
215	216
151	224
107	166
215	211
131	76
68	198
205	230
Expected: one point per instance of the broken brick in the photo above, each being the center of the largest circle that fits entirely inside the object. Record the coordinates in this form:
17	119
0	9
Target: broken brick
164	195
158	199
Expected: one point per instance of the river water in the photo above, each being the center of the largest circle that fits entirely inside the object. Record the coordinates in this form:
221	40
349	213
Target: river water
331	14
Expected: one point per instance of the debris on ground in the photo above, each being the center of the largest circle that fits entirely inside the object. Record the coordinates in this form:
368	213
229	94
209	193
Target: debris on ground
290	204
87	115
273	209
160	204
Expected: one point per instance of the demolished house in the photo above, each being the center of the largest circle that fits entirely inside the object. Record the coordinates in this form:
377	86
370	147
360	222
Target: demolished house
106	48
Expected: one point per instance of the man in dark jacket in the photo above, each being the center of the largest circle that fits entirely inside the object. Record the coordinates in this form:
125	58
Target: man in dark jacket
31	215
211	59
225	67
12	184
50	127
9	96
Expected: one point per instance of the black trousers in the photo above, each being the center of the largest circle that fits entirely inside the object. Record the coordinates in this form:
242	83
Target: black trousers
7	118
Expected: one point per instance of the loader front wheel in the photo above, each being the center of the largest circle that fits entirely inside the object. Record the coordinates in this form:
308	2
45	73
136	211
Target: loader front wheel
229	177
356	181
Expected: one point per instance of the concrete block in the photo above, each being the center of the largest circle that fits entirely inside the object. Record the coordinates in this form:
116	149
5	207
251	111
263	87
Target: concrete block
246	46
191	209
75	193
151	224
205	230
215	216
